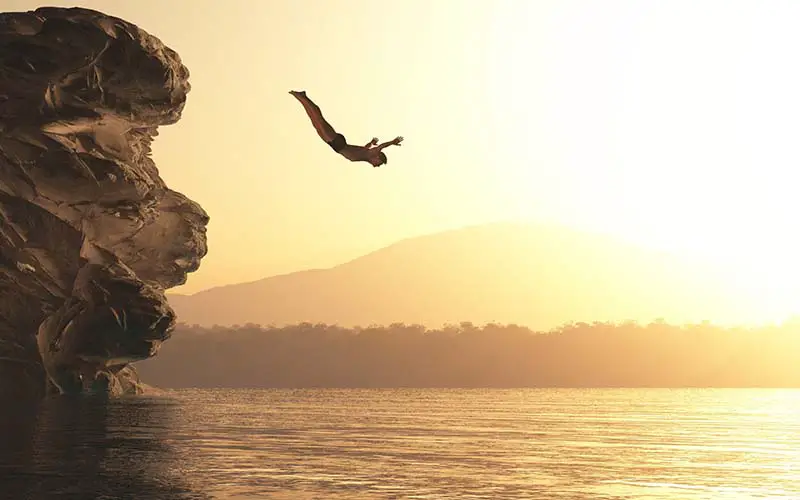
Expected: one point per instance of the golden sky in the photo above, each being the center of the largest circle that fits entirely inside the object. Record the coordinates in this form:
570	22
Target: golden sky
674	124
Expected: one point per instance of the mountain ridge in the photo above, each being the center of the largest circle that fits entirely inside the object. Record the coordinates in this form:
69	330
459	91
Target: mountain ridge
480	273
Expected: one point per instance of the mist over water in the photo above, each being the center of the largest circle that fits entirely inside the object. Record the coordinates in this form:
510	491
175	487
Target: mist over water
429	443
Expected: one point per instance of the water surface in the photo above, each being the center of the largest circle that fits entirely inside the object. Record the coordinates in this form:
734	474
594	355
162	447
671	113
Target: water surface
426	443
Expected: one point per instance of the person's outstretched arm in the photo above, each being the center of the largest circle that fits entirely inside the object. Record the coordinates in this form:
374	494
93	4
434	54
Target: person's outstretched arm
394	142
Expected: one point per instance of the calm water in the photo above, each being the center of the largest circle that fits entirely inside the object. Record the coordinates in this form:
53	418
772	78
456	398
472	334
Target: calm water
282	444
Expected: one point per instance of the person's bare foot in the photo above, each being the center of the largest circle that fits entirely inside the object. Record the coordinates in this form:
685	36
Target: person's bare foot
298	93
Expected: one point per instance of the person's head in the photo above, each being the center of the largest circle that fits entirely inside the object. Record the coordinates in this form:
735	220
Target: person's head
378	158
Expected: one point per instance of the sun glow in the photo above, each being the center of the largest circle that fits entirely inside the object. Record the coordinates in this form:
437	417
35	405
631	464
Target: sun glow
679	142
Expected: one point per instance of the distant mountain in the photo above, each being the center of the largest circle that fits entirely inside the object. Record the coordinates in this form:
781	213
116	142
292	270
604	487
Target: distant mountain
539	276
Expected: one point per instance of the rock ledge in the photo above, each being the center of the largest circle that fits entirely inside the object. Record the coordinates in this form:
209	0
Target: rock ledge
90	235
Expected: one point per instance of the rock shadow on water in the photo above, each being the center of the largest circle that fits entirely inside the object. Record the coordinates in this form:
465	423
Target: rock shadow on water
89	447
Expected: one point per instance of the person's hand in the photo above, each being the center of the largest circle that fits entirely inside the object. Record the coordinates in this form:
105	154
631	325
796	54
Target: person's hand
374	141
398	140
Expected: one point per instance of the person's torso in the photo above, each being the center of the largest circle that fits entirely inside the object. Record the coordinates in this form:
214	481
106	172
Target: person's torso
355	153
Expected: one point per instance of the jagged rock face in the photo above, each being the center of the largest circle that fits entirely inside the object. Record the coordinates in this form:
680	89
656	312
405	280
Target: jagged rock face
90	235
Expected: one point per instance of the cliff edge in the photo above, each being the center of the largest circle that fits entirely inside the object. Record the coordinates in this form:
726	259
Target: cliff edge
90	235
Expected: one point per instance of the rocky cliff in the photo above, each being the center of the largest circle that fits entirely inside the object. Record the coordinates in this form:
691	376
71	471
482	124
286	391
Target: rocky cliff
90	235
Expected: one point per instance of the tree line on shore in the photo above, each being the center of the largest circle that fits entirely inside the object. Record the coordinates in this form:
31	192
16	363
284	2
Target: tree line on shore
599	354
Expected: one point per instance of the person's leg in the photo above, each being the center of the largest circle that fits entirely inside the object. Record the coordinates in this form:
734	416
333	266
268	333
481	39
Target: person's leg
323	128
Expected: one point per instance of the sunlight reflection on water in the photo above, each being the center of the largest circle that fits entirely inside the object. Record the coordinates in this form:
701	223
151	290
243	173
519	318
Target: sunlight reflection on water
285	444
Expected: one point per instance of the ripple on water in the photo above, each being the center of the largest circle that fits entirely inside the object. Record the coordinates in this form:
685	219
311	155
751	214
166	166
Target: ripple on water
293	444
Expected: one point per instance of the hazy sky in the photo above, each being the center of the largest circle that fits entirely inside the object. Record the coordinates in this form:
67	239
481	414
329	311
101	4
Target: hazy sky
672	123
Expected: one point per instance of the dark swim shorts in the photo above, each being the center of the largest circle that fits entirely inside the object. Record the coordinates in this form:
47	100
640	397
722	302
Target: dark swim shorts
338	143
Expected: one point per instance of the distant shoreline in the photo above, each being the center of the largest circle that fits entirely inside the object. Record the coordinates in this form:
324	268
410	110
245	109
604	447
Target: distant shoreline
580	355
